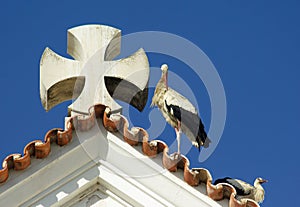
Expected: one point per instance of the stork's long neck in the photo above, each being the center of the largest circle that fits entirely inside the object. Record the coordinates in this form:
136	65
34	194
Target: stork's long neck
160	89
259	192
164	76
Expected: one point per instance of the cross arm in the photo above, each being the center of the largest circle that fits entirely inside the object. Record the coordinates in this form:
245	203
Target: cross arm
58	76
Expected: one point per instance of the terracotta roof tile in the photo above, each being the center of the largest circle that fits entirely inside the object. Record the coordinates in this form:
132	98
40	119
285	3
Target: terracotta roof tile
113	123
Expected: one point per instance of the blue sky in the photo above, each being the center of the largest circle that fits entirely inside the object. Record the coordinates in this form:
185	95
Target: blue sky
254	46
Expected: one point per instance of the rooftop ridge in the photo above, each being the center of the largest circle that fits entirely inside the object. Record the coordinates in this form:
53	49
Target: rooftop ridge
134	136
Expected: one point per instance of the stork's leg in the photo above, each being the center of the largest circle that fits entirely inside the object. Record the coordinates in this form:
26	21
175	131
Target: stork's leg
178	136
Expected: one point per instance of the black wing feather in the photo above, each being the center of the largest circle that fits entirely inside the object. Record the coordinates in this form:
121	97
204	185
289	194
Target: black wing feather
192	121
174	110
238	187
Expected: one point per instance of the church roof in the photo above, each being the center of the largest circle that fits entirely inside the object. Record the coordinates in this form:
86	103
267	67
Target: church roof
118	123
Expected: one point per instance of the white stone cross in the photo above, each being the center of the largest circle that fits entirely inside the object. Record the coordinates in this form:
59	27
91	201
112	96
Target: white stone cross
93	76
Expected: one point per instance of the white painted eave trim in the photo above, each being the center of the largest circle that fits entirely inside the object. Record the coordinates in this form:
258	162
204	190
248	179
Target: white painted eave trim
123	170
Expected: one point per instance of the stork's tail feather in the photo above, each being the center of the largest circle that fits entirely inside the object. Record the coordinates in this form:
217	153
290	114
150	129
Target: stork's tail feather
202	137
202	142
196	144
206	142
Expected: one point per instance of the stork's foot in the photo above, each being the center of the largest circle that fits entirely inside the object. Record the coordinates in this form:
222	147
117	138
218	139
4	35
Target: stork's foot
176	155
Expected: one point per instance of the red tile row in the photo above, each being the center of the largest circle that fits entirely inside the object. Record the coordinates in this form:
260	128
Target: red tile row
134	136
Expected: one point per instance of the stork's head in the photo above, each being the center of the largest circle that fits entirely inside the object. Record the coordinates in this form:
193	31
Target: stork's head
164	68
260	193
260	180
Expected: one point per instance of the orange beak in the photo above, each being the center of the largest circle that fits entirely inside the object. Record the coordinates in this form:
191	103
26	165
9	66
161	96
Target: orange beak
264	181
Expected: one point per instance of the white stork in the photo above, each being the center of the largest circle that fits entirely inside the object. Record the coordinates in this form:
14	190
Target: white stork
179	112
245	190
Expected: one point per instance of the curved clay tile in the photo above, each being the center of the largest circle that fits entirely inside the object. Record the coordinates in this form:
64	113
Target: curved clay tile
133	136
